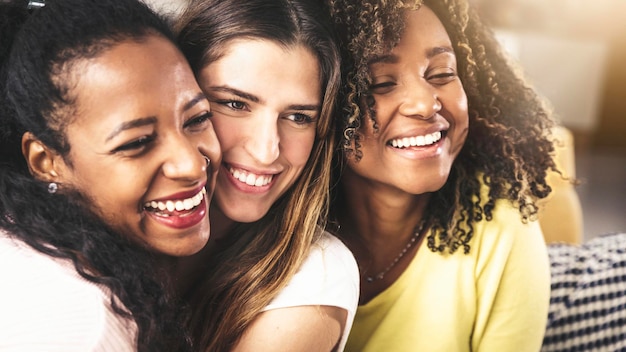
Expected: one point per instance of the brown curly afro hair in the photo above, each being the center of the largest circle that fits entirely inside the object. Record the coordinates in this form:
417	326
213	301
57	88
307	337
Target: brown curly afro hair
509	146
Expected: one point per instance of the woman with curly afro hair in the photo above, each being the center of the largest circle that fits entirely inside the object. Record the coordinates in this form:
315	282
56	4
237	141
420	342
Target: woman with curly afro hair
444	158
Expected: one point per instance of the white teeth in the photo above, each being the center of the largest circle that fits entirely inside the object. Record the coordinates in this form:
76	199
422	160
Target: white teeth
251	179
416	141
178	205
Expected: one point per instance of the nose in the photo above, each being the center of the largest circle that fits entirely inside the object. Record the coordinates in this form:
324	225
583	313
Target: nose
419	100
184	161
263	143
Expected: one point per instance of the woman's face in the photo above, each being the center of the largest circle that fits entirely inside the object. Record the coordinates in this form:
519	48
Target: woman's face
266	101
421	109
137	140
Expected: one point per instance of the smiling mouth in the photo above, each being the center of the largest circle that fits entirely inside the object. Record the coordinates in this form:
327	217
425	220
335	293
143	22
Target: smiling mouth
175	207
416	141
250	178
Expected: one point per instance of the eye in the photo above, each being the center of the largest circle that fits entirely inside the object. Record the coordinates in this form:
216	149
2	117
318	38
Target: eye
198	122
136	146
442	78
301	119
233	104
382	87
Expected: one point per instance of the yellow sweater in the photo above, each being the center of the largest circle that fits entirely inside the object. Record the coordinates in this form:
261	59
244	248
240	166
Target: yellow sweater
493	299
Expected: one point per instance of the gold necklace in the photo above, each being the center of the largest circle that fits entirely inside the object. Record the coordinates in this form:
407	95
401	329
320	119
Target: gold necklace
412	241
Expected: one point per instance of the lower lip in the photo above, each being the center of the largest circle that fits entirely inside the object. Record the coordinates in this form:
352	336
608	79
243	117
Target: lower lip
424	152
185	221
244	187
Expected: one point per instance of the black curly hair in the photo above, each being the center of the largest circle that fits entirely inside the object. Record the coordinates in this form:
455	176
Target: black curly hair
39	47
509	146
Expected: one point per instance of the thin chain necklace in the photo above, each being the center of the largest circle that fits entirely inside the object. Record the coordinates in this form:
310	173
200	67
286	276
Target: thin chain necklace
412	241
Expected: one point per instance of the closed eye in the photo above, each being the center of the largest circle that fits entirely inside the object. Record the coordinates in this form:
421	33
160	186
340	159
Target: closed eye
383	87
442	78
136	146
198	122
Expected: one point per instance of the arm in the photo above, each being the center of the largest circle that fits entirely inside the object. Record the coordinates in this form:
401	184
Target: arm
304	328
314	312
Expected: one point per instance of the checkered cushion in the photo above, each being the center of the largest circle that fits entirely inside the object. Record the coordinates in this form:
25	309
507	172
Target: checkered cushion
588	296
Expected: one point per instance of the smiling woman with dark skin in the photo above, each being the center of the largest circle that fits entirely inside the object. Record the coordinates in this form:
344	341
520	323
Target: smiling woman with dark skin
445	154
107	172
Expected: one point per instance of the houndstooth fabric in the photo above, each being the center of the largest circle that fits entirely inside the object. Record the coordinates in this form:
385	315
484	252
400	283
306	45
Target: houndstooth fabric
588	296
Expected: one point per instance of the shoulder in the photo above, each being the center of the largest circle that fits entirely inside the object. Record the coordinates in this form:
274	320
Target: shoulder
328	276
507	225
507	239
332	252
45	302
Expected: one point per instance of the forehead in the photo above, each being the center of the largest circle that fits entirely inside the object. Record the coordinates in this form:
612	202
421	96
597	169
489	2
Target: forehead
131	79
423	24
261	64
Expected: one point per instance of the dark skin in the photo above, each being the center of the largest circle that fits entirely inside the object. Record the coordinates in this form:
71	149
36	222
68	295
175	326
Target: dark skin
422	123
382	232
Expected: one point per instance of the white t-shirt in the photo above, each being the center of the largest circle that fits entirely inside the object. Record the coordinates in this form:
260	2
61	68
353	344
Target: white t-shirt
46	306
328	277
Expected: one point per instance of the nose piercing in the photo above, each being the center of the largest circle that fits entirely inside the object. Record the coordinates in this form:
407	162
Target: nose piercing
208	161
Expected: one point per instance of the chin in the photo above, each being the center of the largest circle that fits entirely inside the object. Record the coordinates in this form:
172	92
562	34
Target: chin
243	214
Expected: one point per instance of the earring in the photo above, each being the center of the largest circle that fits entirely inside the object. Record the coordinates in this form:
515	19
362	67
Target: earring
52	188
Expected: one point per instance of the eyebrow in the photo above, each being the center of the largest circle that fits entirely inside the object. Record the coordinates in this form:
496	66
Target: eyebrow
430	53
144	121
439	50
131	124
198	98
237	92
255	99
311	107
384	59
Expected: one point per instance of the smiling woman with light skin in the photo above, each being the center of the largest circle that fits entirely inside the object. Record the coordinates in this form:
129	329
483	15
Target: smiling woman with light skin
272	279
445	155
107	172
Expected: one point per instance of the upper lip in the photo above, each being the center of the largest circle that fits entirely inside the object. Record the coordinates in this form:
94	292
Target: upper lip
250	170
181	195
420	131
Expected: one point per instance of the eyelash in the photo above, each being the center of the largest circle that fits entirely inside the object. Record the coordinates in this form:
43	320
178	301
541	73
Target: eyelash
382	85
198	120
136	144
229	104
446	77
440	76
307	119
145	141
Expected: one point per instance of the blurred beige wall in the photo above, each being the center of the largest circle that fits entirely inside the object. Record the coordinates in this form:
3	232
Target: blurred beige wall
574	52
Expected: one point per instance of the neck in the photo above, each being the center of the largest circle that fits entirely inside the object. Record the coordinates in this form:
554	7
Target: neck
187	271
377	213
377	222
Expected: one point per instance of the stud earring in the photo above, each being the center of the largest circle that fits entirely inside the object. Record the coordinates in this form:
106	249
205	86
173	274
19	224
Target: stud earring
52	187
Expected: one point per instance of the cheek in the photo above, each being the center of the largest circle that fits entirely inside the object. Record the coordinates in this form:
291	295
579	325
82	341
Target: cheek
296	147
229	133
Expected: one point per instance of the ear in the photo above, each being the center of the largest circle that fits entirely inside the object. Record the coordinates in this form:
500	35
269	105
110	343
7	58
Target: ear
43	163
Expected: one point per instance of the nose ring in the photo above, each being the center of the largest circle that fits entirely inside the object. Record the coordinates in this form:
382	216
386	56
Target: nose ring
207	161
